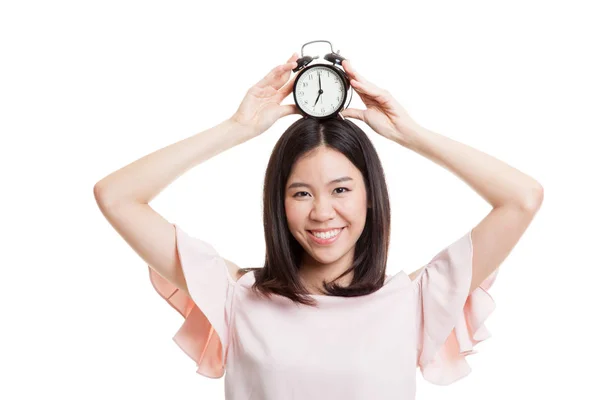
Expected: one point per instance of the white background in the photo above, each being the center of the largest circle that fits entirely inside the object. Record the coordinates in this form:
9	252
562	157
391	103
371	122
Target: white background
88	87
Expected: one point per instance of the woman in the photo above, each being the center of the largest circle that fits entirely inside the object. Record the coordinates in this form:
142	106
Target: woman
320	319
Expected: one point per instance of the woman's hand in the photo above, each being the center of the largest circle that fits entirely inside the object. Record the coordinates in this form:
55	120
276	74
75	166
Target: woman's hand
261	107
383	114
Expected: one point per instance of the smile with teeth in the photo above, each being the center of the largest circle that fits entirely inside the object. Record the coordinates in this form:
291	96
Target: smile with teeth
326	235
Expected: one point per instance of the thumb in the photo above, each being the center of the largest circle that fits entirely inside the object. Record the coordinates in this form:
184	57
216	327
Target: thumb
287	109
353	113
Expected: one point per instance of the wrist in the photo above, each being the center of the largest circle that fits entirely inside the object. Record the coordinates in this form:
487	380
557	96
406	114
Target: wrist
244	131
408	135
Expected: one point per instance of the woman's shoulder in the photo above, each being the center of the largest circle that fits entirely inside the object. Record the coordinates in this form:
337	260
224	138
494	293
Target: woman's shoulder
234	271
237	272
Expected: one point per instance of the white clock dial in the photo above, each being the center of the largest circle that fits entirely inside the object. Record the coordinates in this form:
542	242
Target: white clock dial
318	103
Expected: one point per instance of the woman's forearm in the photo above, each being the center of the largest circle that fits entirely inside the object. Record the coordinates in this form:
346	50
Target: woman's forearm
497	182
145	178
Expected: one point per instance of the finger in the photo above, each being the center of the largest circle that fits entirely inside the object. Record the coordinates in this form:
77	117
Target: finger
353	113
286	89
359	86
352	73
369	89
278	76
268	78
288	109
278	71
358	82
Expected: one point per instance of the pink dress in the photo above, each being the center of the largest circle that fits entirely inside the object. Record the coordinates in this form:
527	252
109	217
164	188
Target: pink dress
366	347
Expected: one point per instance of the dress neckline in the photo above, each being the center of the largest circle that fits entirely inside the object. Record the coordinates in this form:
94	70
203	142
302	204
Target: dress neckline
401	278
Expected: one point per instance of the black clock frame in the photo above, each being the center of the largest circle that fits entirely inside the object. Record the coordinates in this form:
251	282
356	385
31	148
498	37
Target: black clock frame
343	78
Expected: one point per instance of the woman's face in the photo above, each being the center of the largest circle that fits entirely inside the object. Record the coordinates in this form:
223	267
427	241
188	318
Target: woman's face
315	202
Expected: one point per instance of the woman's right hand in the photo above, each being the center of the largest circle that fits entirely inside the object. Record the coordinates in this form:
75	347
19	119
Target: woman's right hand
261	106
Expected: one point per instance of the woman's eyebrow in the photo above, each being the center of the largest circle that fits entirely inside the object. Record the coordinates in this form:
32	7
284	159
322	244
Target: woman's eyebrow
301	184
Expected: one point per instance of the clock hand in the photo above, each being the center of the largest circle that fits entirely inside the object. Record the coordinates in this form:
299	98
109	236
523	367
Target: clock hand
320	91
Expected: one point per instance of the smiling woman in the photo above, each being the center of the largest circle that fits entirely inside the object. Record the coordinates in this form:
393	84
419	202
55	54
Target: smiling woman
334	325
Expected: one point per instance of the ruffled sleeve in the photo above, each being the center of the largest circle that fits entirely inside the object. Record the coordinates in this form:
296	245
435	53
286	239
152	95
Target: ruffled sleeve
450	321
204	334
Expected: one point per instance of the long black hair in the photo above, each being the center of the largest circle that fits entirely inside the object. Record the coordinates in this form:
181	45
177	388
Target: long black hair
279	275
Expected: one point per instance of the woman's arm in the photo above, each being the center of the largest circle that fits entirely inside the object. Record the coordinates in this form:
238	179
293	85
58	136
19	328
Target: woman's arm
497	182
514	196
143	179
123	197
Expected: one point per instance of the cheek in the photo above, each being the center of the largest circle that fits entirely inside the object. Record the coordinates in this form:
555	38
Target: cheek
294	213
355	213
355	208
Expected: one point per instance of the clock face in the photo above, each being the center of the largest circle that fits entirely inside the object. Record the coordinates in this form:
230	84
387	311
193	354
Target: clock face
319	91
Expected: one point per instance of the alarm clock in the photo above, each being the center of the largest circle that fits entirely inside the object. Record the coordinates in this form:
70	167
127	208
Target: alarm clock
321	89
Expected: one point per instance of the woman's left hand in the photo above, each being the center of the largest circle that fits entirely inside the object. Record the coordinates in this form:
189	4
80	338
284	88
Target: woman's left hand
383	114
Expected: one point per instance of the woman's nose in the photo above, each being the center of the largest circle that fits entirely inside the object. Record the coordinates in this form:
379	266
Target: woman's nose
323	209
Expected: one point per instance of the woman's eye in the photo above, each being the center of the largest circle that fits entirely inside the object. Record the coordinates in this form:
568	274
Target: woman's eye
346	189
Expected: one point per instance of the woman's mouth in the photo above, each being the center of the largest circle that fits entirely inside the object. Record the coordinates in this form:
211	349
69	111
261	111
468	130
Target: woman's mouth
326	237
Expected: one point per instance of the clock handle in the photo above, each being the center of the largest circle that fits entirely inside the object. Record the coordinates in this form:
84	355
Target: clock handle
333	57
316	41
